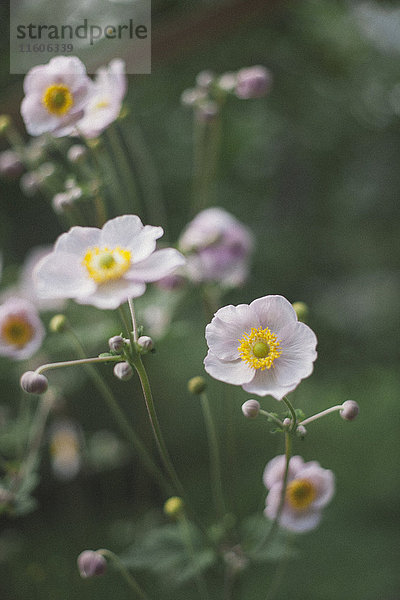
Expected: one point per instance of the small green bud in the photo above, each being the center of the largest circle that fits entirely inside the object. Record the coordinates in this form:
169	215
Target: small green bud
301	310
197	385
58	324
174	507
5	122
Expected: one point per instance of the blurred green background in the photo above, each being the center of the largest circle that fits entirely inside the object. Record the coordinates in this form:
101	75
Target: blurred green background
313	169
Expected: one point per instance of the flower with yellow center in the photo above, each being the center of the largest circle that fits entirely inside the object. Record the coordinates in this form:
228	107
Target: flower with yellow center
309	488
58	99
56	96
21	330
260	346
105	267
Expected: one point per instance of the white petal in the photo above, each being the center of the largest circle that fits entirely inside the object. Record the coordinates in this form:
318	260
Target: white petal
61	275
236	372
322	479
275	469
121	231
225	331
112	294
274	312
297	344
77	241
158	265
300	521
36	118
265	383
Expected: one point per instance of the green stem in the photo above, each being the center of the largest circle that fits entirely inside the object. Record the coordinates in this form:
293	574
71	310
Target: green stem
130	580
215	461
122	166
279	573
121	419
271	417
162	448
292	412
186	535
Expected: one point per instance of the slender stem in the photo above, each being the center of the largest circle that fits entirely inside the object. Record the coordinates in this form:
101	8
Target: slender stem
134	322
122	165
279	573
271	417
80	361
321	414
215	461
186	535
148	397
126	325
130	580
37	430
292	412
124	425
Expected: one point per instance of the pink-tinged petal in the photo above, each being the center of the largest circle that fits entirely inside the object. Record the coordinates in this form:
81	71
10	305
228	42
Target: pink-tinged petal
112	294
265	383
158	265
235	372
274	312
322	479
227	328
37	119
18	307
77	241
300	523
68	69
145	242
275	469
61	275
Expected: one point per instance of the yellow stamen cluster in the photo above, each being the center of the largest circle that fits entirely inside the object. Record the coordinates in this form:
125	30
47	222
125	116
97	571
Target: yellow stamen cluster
58	99
17	331
260	348
64	443
300	493
104	264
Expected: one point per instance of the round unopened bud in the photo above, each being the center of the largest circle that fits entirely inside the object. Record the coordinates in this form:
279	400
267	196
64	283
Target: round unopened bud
301	310
287	422
10	164
204	79
76	153
29	183
251	409
350	410
301	431
123	371
196	385
58	324
116	343
174	507
253	82
34	383
146	343
5	122
91	564
227	81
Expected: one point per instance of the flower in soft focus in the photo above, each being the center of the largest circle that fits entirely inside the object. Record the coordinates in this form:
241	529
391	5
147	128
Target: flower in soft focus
260	346
218	248
104	267
105	100
10	164
55	96
65	450
253	82
91	564
309	488
21	330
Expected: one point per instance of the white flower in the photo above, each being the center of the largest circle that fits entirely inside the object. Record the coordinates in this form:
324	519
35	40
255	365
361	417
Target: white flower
55	96
218	248
105	101
21	330
104	267
309	488
261	346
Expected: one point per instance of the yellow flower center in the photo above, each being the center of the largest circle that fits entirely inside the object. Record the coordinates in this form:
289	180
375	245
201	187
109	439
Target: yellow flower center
58	99
104	264
300	493
16	331
65	444
260	348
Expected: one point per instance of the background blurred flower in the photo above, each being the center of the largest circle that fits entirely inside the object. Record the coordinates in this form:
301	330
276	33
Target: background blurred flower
104	267
65	449
105	100
218	248
309	488
10	164
55	96
21	330
261	346
253	82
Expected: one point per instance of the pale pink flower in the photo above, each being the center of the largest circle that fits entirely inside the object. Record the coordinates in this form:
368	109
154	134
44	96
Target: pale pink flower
21	330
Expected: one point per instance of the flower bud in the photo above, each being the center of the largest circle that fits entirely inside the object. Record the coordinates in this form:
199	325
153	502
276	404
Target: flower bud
251	409
58	324
207	111
91	564
116	343
10	164
123	371
174	507
61	202
301	431
29	183
253	82
204	79
146	343
197	385
5	122
350	410
287	422
227	81
76	153
301	310
34	383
